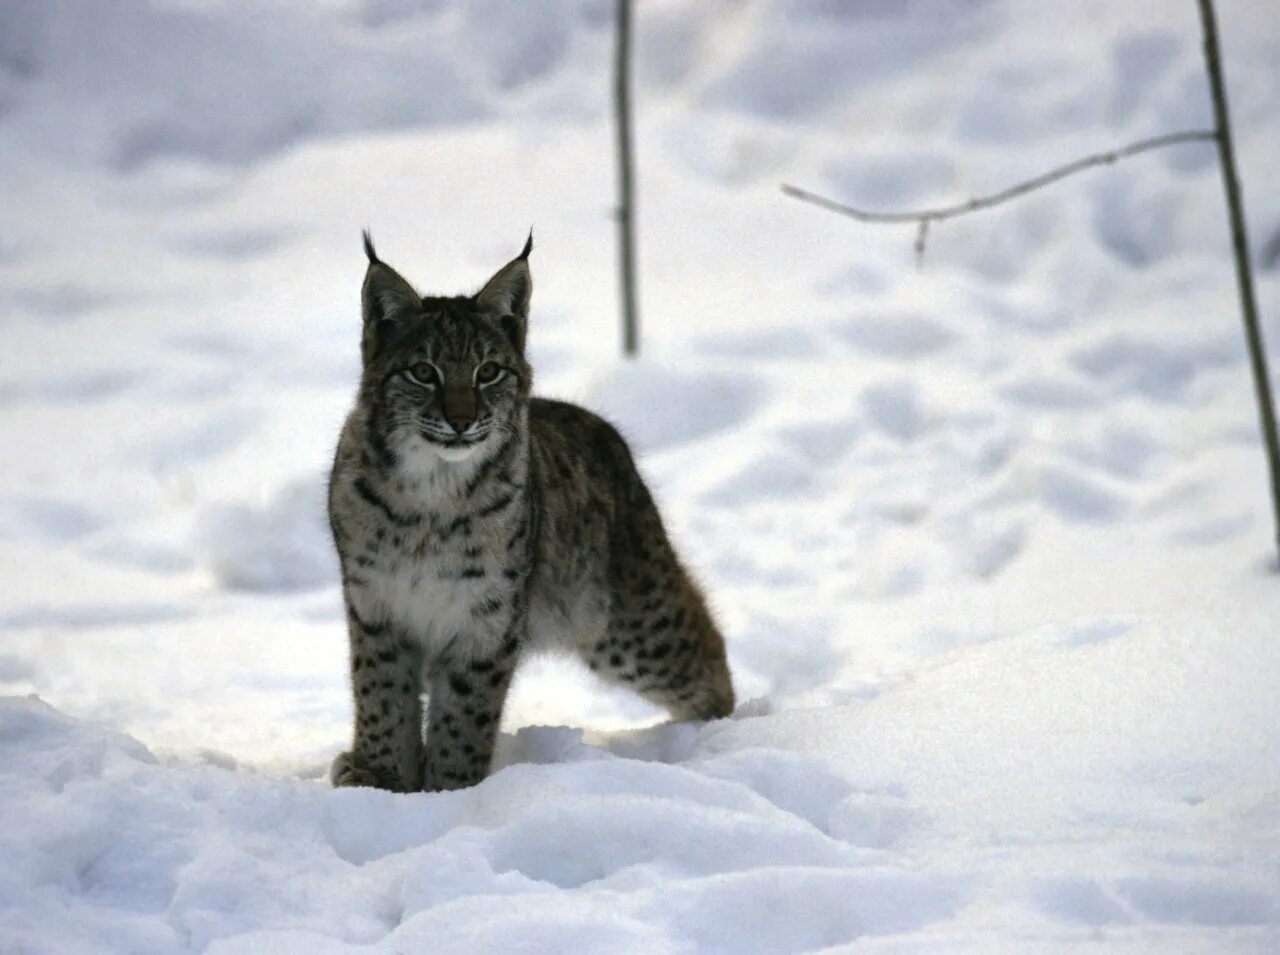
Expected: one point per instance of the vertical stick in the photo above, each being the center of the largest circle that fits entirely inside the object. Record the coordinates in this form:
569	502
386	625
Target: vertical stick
626	177
1240	243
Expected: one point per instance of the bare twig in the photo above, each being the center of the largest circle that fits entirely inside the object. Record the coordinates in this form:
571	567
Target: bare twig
626	177
924	216
1240	244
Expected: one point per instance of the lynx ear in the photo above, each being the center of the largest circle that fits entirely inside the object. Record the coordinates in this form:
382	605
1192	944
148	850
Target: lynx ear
385	297
385	292
507	296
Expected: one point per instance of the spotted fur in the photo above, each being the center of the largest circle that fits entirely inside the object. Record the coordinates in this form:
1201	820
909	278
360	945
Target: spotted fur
473	523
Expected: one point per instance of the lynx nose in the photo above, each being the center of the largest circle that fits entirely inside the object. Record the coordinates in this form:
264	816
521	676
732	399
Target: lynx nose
460	422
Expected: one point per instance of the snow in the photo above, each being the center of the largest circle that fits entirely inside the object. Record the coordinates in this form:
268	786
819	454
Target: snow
988	537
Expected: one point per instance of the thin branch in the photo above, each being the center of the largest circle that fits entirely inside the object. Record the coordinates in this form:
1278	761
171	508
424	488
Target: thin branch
1240	245
922	216
626	182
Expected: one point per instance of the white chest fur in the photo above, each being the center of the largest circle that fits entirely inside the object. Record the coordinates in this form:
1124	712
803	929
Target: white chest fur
426	554
432	604
437	586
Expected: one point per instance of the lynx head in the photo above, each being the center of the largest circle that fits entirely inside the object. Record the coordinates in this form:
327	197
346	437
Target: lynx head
444	375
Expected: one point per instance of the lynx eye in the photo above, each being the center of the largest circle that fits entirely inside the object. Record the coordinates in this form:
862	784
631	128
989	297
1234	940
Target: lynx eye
488	373
423	373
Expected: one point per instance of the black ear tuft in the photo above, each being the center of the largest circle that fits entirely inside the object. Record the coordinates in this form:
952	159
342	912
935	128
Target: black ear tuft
368	246
528	246
386	300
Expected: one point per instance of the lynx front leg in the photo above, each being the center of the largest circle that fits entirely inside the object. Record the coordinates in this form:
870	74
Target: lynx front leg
464	709
386	677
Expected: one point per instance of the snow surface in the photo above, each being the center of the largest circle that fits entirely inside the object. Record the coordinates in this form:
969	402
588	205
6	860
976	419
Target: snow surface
989	537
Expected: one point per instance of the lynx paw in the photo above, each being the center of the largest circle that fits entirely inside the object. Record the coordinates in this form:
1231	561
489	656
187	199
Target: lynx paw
350	770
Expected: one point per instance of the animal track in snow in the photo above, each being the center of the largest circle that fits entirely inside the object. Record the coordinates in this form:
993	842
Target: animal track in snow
796	656
796	783
992	552
1199	901
1203	532
900	335
48	520
984	542
874	820
1141	62
822	442
1079	633
14	669
1077	497
1124	901
231	243
1124	452
1159	368
778	475
658	407
1079	899
895	409
1049	393
198	442
770	344
85	385
284	545
89	616
58	302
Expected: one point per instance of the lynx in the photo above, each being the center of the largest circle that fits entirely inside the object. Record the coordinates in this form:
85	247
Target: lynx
474	524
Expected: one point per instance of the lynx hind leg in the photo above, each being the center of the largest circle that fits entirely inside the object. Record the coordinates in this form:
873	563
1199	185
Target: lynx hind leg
663	644
349	769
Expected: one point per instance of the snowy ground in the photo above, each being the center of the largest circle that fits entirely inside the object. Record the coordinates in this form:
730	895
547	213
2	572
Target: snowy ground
988	537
